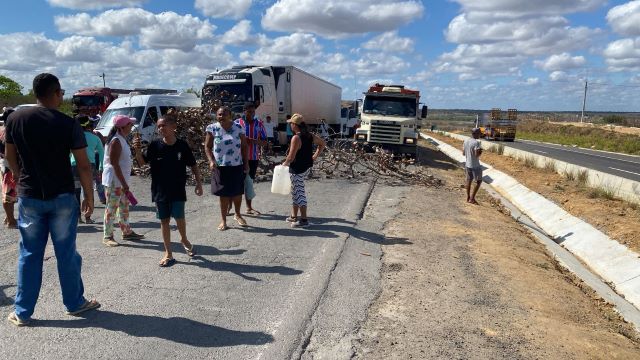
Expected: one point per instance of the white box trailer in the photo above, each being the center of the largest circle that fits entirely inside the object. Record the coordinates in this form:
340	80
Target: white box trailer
277	91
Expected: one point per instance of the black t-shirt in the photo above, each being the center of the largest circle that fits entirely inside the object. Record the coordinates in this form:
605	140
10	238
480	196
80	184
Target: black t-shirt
43	139
304	156
169	169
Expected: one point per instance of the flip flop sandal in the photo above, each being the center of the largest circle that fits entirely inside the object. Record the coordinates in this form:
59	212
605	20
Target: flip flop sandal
253	212
166	262
222	227
190	251
15	320
89	221
242	222
88	305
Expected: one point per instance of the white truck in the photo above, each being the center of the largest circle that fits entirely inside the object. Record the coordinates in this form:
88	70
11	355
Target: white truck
391	119
276	91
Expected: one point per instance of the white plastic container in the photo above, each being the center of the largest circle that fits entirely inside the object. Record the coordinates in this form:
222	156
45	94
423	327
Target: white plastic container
281	183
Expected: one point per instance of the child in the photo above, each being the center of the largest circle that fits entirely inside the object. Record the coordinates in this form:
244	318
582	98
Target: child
169	158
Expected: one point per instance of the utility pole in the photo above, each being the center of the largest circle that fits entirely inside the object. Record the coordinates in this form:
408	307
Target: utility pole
584	99
104	84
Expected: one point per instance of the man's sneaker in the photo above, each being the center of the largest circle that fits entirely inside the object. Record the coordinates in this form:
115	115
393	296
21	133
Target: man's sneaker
291	219
110	242
15	320
300	223
132	236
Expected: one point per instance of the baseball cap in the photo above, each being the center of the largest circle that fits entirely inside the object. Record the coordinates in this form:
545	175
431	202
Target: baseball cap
475	130
123	120
296	119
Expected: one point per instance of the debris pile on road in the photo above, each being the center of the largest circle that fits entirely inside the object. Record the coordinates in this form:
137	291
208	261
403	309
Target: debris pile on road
351	160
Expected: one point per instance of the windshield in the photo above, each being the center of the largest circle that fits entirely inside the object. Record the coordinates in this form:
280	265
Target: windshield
87	100
107	118
390	106
228	92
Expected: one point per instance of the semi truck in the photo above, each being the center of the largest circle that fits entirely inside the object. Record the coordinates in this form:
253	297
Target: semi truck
498	127
277	91
94	101
391	118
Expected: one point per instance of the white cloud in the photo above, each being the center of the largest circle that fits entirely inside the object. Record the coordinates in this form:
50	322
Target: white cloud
391	42
25	51
625	19
558	76
497	37
235	9
562	61
532	81
240	35
339	18
623	55
94	4
164	30
376	64
296	49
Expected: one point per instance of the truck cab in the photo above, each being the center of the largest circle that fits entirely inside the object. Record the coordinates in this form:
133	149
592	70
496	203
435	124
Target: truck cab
390	118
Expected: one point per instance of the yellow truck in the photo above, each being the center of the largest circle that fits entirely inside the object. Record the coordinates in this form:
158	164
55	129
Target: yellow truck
497	127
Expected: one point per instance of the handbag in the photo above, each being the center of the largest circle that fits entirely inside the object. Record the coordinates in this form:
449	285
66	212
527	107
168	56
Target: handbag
249	192
216	185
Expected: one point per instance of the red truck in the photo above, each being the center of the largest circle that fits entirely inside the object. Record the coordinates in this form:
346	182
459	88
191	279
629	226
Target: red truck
95	100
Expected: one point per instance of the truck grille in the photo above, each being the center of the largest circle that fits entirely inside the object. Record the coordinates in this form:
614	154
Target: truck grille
385	132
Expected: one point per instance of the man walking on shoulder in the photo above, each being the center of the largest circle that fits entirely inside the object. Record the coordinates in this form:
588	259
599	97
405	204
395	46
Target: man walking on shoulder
471	150
38	142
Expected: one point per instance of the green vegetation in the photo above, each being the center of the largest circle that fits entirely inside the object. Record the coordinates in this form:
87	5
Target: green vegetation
11	95
614	119
601	193
595	138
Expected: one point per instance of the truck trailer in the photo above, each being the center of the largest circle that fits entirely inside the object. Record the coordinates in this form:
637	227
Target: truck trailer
391	119
277	91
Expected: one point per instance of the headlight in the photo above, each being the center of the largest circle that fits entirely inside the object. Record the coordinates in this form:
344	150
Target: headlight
409	141
361	137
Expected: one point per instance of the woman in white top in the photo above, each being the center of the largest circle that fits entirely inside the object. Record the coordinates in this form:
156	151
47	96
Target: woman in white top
116	174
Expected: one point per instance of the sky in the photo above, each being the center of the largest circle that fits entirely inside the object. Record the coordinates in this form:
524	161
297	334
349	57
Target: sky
461	54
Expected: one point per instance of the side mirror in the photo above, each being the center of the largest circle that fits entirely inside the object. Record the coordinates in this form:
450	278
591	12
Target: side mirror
425	109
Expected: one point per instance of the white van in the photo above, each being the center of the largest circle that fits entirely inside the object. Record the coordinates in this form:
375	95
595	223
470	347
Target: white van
147	109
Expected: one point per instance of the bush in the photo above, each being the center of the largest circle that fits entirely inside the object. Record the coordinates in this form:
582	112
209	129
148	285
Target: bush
614	119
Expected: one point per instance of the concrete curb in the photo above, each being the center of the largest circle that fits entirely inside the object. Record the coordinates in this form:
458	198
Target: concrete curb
612	261
621	188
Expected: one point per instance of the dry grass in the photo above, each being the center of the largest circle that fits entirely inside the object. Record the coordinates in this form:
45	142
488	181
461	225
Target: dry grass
602	192
550	165
583	177
570	175
529	161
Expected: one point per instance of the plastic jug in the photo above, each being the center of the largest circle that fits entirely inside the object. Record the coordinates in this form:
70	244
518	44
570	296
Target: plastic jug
281	183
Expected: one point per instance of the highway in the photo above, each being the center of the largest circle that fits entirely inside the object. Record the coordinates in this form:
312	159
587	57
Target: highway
626	166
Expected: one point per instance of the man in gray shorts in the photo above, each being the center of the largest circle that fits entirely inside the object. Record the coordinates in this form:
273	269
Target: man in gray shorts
471	150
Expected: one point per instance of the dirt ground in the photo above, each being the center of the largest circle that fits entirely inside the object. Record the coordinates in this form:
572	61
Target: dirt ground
472	284
615	128
618	219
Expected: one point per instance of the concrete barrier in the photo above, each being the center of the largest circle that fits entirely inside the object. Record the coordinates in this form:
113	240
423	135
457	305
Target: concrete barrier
619	187
612	261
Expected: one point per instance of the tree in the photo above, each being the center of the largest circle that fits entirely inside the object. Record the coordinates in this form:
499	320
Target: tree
9	88
193	90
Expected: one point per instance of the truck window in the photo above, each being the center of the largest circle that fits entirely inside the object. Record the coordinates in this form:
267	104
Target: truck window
151	118
258	95
165	109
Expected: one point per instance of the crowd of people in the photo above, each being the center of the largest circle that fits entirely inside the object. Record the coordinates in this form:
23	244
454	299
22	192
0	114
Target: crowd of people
51	162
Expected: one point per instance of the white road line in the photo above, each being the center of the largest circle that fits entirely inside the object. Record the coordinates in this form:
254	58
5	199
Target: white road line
541	152
630	172
586	153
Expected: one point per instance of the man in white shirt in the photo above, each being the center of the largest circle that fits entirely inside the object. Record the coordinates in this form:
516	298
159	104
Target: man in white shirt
269	129
471	150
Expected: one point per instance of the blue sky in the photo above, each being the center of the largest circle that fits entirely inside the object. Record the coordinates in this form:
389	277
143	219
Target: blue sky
532	55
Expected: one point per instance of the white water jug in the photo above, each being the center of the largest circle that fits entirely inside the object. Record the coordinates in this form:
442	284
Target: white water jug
281	183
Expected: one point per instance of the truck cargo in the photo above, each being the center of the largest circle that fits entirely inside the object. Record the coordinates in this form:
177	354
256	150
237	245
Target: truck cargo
277	91
497	127
390	118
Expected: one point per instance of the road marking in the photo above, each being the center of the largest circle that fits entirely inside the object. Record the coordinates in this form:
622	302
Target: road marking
541	152
630	172
588	154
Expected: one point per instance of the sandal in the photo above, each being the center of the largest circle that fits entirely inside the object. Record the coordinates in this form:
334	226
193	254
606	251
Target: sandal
291	219
15	320
89	221
190	251
166	262
222	227
241	221
88	305
253	212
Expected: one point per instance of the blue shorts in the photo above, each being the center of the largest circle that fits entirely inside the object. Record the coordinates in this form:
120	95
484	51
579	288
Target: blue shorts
170	209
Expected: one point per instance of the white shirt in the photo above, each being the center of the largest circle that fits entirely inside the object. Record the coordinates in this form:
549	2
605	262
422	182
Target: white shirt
109	177
268	128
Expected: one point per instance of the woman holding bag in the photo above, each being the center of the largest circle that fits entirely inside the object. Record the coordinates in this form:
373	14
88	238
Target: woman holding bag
300	159
227	151
115	178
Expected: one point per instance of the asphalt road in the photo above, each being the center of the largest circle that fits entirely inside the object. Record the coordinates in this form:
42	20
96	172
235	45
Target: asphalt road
254	293
622	165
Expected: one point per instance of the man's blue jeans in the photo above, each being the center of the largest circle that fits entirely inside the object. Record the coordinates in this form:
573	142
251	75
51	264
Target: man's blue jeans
37	219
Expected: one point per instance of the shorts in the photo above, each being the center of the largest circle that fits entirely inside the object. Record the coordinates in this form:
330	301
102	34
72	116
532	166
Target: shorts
9	194
170	209
232	180
474	174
